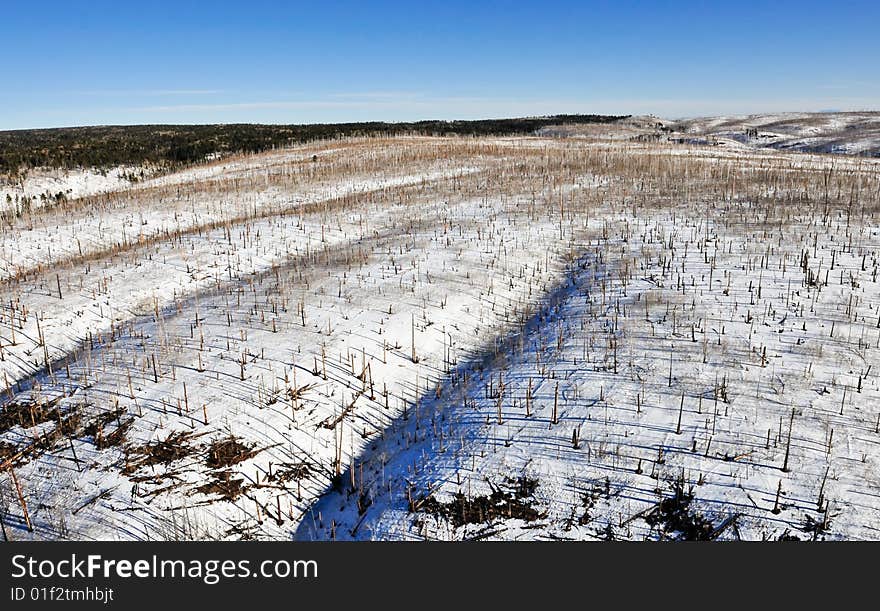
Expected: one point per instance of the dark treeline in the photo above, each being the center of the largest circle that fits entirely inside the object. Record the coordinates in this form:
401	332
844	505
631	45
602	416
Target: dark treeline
175	145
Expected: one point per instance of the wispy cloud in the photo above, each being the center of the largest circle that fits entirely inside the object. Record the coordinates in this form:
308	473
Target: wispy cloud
361	101
258	105
377	95
145	92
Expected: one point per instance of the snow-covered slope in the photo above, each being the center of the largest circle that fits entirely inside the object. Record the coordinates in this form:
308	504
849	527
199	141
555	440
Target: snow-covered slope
449	338
851	133
43	186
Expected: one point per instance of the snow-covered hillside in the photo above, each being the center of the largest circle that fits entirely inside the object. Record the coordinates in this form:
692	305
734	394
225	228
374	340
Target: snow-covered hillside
42	186
849	133
449	338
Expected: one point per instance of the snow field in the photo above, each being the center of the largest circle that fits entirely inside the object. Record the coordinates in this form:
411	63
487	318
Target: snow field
579	329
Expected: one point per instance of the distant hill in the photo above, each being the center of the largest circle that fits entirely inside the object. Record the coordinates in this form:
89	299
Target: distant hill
175	145
852	133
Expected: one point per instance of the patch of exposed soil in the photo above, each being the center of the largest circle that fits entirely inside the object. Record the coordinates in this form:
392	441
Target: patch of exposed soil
514	499
224	486
227	452
7	450
66	428
286	472
172	448
676	519
115	437
28	414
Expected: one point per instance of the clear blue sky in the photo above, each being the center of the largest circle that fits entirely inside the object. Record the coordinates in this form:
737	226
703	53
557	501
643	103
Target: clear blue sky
95	62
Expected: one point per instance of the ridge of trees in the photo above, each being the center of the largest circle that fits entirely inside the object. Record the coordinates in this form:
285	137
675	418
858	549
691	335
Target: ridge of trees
176	145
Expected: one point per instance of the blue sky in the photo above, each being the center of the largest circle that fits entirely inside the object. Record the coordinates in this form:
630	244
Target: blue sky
94	62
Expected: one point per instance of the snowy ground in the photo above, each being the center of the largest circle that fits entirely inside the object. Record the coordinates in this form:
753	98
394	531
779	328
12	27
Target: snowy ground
42	186
449	338
839	133
700	386
849	133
